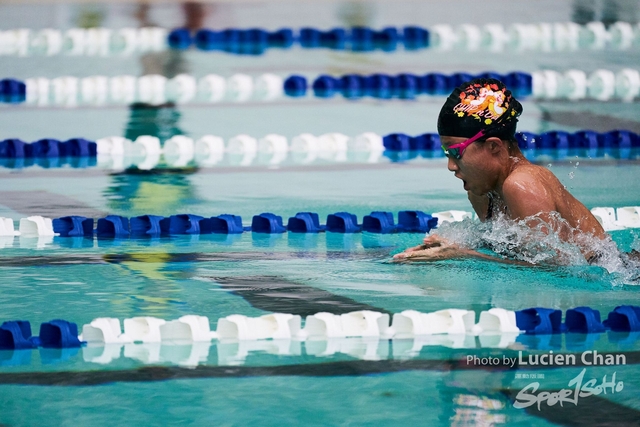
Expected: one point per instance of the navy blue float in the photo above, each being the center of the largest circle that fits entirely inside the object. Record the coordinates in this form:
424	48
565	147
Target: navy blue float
491	75
416	221
146	226
305	222
397	142
521	84
624	318
267	223
310	37
539	320
12	91
113	226
185	224
16	335
437	84
415	38
380	86
408	86
15	149
456	79
73	226
352	86
59	334
335	39
227	224
282	39
362	39
180	39
554	140
583	320
79	147
379	222
343	222
326	86
386	39
295	86
47	148
207	40
358	39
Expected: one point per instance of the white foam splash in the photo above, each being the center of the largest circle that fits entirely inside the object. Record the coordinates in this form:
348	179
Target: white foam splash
517	240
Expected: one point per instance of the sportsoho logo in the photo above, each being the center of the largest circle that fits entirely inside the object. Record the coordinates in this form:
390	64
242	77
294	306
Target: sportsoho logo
577	388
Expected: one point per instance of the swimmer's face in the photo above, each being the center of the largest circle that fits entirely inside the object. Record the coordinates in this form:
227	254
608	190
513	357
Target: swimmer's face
477	168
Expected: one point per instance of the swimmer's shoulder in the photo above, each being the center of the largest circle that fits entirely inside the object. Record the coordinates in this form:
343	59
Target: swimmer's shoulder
533	177
531	183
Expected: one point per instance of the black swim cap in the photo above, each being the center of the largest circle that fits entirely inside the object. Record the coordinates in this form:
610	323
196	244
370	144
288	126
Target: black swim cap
480	104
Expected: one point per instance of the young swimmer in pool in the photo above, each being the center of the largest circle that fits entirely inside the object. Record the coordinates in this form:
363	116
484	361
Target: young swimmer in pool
477	127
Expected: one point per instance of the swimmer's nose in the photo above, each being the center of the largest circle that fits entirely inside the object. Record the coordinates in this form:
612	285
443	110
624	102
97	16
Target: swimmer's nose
451	165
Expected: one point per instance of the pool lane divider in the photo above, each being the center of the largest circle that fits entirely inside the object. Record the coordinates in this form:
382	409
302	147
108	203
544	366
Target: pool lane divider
491	37
500	326
378	222
155	89
179	151
115	226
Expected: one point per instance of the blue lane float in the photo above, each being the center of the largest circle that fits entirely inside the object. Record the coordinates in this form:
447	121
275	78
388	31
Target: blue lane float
15	149
326	86
59	333
180	39
16	335
624	318
379	222
281	39
253	41
50	148
415	38
357	39
295	86
227	224
146	226
583	320
379	86
267	223
408	86
343	222
541	328
305	222
352	86
387	39
185	224
539	320
416	221
12	91
113	226
73	226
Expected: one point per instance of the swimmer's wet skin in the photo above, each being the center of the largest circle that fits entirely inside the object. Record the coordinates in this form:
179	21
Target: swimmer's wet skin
477	126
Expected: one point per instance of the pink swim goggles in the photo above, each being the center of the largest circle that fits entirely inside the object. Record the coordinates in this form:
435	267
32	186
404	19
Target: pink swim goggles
455	151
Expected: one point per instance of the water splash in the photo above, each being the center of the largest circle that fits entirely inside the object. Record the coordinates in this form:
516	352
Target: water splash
519	241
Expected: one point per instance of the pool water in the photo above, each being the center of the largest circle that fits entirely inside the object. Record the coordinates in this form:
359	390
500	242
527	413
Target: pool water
352	381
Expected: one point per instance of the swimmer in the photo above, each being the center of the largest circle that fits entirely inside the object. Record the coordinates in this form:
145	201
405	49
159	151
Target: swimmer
483	153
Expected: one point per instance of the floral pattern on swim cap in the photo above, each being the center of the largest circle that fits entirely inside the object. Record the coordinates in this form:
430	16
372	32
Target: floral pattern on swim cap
485	103
479	104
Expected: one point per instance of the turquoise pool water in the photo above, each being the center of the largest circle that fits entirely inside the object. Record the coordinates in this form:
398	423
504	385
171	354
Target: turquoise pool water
374	382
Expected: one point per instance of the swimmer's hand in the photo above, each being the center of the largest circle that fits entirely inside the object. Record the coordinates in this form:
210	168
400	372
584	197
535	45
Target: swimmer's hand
434	248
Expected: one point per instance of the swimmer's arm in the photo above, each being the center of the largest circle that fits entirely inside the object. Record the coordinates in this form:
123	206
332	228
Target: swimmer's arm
436	248
480	204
